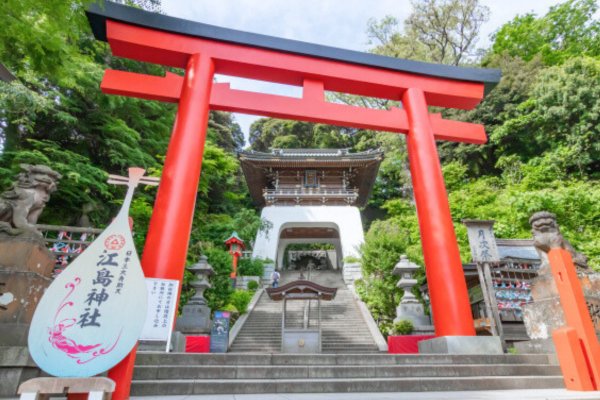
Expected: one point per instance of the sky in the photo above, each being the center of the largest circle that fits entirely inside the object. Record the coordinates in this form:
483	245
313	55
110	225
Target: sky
337	23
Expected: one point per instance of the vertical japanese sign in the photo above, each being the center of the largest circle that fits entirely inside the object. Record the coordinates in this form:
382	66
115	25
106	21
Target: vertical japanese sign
162	300
92	315
219	336
482	240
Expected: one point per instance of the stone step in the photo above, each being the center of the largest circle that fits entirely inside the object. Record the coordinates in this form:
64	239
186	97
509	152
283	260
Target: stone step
160	358
347	348
259	386
326	335
337	372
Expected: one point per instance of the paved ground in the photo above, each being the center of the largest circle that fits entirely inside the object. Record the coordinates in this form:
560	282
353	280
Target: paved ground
550	394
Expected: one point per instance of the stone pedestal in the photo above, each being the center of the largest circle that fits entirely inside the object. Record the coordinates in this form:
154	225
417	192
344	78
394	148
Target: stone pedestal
16	367
25	272
462	345
414	312
195	318
545	314
177	345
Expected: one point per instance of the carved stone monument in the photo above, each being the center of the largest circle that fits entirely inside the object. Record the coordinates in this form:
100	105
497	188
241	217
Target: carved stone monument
25	263
195	318
545	314
409	308
21	206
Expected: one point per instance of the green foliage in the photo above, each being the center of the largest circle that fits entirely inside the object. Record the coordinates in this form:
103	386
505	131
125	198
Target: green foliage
82	183
384	243
568	30
403	327
512	350
252	285
240	300
251	267
385	328
558	126
267	133
502	103
219	295
442	31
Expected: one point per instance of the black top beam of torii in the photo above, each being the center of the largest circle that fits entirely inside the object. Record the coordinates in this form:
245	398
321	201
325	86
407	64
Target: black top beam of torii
99	13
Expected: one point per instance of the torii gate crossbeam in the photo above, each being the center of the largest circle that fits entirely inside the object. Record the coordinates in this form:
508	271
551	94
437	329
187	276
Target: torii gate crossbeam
204	50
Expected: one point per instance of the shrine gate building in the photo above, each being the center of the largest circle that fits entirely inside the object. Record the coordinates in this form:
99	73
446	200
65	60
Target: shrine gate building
310	196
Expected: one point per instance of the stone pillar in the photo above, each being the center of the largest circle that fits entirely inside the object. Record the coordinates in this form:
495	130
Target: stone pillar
195	318
545	314
409	308
25	273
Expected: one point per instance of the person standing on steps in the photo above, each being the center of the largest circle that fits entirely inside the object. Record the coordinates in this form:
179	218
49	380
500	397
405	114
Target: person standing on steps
275	279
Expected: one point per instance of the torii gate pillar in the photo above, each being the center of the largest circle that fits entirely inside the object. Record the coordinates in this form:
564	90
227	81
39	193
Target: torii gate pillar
445	276
176	199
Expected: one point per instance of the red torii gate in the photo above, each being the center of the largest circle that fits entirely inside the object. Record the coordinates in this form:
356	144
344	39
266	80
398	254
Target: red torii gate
203	50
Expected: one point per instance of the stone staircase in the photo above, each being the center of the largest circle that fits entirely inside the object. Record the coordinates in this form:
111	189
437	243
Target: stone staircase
343	326
158	374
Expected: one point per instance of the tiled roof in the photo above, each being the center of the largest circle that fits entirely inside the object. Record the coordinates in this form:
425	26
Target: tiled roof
285	153
517	248
527	253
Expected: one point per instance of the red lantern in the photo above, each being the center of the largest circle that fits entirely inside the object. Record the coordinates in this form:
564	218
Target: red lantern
236	245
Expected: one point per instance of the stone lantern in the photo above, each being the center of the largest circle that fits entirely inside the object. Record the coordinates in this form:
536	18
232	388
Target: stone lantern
409	308
195	318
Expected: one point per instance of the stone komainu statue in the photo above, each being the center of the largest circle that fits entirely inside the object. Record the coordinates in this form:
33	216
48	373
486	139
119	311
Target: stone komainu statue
546	236
21	206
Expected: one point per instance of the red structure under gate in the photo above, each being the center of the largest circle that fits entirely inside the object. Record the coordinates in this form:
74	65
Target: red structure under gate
203	50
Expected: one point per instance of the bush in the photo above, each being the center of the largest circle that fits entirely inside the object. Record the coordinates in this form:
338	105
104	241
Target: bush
251	267
218	295
240	300
252	285
403	327
385	328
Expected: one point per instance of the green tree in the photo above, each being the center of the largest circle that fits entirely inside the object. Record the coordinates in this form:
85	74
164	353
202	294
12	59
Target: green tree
384	243
219	294
567	30
558	125
440	31
267	133
501	104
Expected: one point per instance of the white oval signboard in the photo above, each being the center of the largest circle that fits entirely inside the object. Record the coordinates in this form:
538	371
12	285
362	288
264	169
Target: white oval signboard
92	315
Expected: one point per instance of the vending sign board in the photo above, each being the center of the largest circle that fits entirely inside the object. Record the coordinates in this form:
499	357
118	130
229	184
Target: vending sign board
219	337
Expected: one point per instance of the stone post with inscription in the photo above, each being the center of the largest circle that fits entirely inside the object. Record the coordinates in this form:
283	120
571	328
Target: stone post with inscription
195	318
484	250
